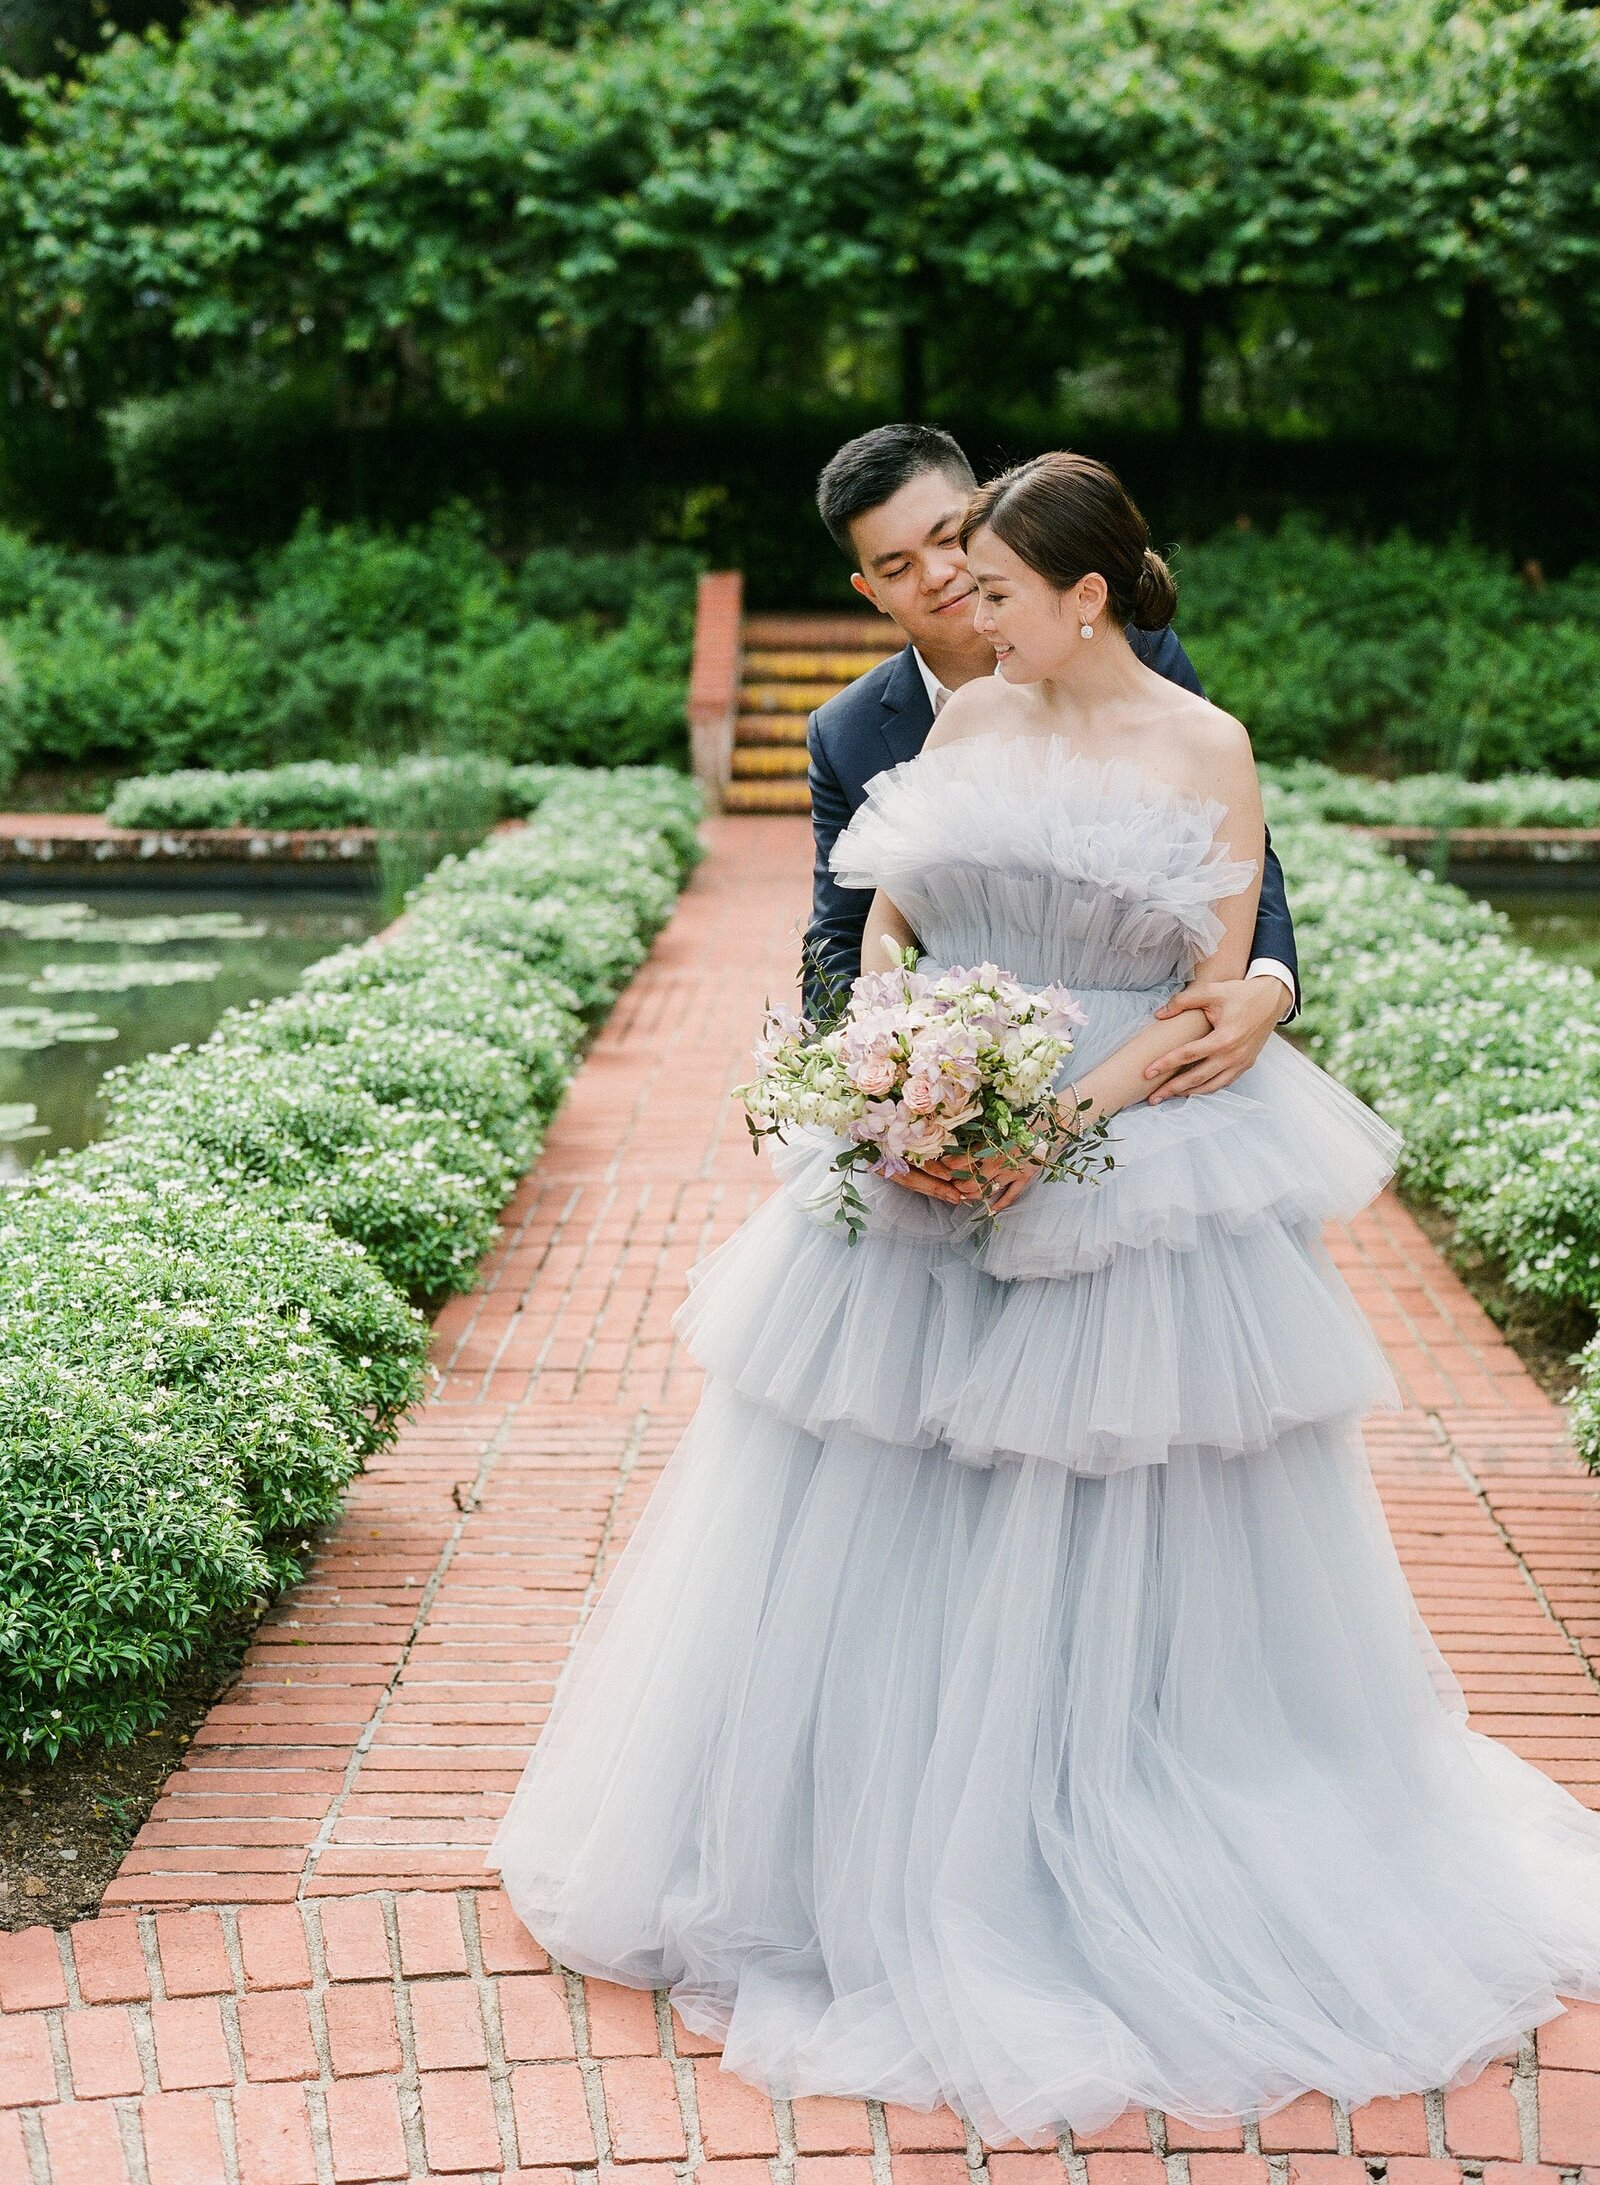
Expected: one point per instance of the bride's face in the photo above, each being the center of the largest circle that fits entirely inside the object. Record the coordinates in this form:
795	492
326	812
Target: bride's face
1032	627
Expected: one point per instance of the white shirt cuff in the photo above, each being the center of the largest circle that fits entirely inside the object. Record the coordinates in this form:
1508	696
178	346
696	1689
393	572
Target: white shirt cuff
1268	967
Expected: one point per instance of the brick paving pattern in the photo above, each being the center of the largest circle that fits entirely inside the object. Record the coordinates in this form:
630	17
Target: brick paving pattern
299	1977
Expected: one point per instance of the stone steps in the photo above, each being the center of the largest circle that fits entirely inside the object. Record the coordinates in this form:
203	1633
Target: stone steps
758	679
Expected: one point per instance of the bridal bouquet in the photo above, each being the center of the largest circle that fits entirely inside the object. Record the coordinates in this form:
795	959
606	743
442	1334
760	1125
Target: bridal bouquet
920	1068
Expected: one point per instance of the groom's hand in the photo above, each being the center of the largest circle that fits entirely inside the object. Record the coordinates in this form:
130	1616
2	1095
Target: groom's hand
1242	1014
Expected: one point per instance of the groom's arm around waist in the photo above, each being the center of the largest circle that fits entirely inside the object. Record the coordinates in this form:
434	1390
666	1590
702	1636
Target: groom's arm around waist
838	914
1274	934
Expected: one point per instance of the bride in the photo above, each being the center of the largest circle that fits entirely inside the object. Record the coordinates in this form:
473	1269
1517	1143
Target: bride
1010	1695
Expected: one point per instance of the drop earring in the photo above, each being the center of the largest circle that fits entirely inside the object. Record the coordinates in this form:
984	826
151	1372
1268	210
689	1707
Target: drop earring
1085	629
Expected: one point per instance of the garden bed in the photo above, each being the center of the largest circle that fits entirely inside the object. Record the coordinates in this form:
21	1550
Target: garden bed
65	1828
1483	1054
211	1317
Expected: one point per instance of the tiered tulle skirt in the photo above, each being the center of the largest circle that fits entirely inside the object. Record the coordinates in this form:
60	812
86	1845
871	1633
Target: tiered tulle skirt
1010	1695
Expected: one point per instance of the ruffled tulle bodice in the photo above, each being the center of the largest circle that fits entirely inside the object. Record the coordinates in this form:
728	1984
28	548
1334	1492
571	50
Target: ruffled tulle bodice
1015	850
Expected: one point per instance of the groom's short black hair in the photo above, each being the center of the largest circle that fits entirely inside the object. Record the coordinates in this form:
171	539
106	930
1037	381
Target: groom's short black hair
869	470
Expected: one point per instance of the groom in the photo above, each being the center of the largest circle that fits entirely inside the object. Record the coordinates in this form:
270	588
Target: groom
892	500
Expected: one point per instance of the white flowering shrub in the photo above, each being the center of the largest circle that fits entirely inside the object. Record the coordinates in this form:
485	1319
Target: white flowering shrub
1584	1406
489	995
209	1318
306	793
553	857
127	1539
331	793
1483	1054
594	944
1437	800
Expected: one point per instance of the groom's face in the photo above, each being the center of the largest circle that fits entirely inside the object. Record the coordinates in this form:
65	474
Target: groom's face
912	567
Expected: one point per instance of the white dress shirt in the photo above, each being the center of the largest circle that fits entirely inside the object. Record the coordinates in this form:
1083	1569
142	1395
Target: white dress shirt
1261	967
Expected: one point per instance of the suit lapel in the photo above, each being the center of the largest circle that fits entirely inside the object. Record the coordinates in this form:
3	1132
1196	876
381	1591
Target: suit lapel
907	712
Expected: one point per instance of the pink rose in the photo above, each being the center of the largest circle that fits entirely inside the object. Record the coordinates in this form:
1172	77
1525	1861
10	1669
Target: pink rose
923	1140
921	1094
873	1076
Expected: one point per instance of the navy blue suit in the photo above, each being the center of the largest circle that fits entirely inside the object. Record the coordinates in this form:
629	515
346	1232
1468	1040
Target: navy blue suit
884	717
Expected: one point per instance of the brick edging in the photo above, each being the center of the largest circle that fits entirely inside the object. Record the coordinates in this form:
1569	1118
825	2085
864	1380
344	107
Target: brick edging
713	701
83	841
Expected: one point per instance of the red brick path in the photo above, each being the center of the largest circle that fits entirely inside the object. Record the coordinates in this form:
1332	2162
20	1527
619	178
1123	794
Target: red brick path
299	1979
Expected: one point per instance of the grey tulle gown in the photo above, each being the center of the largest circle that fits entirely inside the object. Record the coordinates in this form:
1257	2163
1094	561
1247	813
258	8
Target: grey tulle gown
1010	1695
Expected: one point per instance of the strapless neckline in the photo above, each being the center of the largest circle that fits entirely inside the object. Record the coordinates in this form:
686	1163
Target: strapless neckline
1059	762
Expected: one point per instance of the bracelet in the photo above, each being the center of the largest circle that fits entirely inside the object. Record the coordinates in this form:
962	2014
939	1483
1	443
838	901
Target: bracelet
1076	1105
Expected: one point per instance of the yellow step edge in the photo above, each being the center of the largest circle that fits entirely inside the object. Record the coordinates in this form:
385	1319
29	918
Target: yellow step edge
751	759
771	728
840	667
785	697
821	632
766	796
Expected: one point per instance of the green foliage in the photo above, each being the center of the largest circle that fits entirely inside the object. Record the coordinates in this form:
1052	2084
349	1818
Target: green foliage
1429	657
375	155
1432	657
208	1318
403	193
566	692
1435	800
1486	1057
126	1542
343	641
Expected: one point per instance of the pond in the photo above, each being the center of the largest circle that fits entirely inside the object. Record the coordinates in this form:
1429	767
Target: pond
1559	922
94	975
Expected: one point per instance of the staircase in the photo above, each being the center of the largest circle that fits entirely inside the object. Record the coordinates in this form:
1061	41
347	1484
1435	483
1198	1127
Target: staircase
756	679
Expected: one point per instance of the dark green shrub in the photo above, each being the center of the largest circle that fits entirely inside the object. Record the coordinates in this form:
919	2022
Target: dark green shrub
127	1544
344	642
1416	656
174	680
574	692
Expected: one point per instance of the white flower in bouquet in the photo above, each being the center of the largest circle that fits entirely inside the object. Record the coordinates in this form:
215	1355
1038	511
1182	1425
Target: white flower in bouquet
918	1068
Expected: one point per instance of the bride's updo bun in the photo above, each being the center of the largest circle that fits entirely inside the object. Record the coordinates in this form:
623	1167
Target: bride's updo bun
1068	516
1155	595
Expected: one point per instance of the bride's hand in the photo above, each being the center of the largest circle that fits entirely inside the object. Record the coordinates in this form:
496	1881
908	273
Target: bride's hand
978	1179
936	1181
1012	1189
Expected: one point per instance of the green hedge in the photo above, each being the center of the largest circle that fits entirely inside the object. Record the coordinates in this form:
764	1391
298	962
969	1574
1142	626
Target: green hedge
210	1317
325	793
349	646
1486	1057
1437	800
321	793
1437	657
343	643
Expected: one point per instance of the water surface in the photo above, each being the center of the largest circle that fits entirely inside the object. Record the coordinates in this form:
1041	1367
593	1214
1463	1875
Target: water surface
1560	922
276	932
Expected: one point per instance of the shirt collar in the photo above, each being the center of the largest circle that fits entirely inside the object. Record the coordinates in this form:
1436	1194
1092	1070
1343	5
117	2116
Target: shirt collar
931	682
